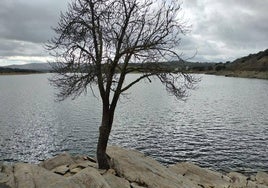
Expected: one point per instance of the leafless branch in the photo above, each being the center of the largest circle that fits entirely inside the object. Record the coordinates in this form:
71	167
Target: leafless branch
97	42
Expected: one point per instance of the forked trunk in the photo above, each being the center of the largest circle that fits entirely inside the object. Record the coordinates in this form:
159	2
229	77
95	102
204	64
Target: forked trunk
104	132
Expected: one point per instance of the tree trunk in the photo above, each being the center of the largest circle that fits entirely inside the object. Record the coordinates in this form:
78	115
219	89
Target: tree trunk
104	132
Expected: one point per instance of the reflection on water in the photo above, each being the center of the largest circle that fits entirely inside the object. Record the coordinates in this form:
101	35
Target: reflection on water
223	125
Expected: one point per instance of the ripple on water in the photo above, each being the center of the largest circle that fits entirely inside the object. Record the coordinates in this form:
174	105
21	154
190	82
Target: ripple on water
223	125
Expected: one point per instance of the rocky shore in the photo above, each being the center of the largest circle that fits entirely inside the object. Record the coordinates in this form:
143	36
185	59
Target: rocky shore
129	169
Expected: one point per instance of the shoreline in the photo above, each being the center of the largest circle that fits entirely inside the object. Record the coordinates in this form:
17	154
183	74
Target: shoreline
129	169
240	74
235	74
20	73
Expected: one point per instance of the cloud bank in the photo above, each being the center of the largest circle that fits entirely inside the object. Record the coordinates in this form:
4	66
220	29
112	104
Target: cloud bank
25	27
225	30
220	30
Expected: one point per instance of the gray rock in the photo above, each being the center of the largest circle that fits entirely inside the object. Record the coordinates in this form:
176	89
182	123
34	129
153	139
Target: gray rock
135	167
89	177
241	181
3	177
91	159
61	169
102	171
116	182
3	185
259	186
7	176
59	160
135	185
135	171
238	178
84	164
33	176
8	169
82	158
252	178
68	174
111	171
1	166
24	176
200	176
75	170
262	178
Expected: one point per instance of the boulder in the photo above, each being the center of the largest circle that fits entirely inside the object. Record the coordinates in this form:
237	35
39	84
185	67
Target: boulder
7	176
135	185
136	167
252	178
111	171
84	164
81	158
59	160
262	178
33	176
201	177
115	181
239	180
61	169
89	177
3	177
238	177
130	169
3	185
75	170
24	176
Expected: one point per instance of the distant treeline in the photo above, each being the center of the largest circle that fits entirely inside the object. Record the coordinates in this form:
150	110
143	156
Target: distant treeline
253	62
10	70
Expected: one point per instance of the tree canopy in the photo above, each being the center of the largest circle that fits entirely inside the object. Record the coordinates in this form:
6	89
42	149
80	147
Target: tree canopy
97	41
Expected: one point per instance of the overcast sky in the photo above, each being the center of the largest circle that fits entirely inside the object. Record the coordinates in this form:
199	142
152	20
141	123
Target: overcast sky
220	30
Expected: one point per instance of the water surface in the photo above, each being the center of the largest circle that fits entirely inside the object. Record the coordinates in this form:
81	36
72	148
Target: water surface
223	125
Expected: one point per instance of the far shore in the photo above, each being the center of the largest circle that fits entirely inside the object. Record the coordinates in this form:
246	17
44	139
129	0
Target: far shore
239	74
19	73
243	74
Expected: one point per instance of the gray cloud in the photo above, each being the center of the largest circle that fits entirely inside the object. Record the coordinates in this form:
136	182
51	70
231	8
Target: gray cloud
29	20
25	27
20	48
225	30
221	30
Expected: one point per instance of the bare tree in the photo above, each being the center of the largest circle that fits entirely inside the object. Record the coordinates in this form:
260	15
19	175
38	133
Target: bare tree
97	41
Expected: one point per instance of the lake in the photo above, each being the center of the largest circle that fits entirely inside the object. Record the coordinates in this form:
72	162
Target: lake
223	125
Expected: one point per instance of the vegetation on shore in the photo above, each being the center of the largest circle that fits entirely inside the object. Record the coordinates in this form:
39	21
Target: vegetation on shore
11	71
241	74
251	66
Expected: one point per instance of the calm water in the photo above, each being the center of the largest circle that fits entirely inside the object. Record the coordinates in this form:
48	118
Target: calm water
223	125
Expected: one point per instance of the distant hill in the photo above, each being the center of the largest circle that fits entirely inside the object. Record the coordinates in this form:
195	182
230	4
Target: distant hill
257	63
43	67
4	70
251	66
252	62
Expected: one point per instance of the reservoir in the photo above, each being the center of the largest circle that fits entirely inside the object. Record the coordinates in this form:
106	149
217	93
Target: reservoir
223	124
